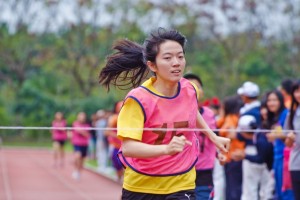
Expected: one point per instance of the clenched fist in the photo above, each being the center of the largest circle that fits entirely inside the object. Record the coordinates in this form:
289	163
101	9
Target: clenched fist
177	145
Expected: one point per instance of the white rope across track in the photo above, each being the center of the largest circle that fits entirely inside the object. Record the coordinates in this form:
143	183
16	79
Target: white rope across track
144	129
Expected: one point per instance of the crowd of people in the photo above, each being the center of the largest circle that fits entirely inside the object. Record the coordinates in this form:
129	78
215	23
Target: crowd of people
260	126
262	133
248	146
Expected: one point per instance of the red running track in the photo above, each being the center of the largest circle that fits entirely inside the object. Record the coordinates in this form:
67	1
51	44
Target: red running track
29	175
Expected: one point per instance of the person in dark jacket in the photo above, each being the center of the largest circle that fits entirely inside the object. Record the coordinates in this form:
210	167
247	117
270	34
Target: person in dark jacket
257	178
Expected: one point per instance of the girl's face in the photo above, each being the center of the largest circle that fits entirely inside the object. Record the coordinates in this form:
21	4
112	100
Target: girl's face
170	62
58	116
297	95
81	117
264	113
273	103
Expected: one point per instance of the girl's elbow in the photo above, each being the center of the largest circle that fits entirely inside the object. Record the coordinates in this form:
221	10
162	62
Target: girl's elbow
125	151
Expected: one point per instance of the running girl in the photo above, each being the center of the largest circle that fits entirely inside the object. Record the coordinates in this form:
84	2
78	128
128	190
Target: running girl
159	163
59	137
80	140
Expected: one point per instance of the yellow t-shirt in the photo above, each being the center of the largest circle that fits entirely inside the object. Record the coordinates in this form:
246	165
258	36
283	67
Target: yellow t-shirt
132	116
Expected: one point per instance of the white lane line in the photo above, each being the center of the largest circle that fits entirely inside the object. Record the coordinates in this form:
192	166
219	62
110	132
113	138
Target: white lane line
5	178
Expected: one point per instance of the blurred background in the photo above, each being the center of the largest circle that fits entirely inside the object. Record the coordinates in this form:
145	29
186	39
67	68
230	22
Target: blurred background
51	51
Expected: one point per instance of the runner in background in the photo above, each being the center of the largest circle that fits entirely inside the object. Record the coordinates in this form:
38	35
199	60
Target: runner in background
59	137
207	153
80	141
114	141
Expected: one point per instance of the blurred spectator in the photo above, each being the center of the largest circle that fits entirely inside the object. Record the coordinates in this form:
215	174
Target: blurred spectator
214	104
249	93
276	117
264	112
293	139
93	138
102	146
114	141
256	174
80	141
228	123
286	90
59	137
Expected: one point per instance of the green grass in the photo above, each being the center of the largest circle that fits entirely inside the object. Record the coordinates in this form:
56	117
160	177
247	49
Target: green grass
92	163
35	144
27	144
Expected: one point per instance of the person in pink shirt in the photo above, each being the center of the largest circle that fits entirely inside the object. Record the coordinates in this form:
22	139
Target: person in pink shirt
207	153
59	137
80	141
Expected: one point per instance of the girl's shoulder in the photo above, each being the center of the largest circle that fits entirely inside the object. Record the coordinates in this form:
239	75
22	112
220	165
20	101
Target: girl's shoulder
283	115
186	83
285	111
233	117
58	123
135	90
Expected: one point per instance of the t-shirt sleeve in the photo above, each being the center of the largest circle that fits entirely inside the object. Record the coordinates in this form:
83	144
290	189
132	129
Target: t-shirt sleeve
196	89
131	117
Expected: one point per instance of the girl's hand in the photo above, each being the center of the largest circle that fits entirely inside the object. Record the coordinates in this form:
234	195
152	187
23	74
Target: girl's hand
222	158
177	145
271	136
222	144
238	155
231	133
289	141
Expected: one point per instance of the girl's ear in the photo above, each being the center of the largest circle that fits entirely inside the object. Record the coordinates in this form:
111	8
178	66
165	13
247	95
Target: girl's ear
152	66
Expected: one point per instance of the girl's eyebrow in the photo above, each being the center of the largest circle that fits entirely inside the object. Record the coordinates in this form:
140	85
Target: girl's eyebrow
167	53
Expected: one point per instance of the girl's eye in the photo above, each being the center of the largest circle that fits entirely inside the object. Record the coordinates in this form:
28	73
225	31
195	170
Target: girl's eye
167	58
180	57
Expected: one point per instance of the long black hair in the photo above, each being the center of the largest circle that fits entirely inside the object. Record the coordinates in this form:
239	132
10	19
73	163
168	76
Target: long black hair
127	66
295	103
274	117
287	85
232	105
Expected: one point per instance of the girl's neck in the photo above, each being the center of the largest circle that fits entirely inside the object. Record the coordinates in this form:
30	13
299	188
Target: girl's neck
166	88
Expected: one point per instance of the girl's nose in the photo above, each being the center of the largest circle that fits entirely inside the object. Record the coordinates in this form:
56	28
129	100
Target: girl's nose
176	62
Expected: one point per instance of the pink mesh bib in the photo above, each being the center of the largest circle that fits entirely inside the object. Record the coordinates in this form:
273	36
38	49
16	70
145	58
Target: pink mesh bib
207	153
179	111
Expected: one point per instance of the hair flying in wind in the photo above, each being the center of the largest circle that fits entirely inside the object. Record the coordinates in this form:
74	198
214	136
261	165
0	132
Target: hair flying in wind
127	66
